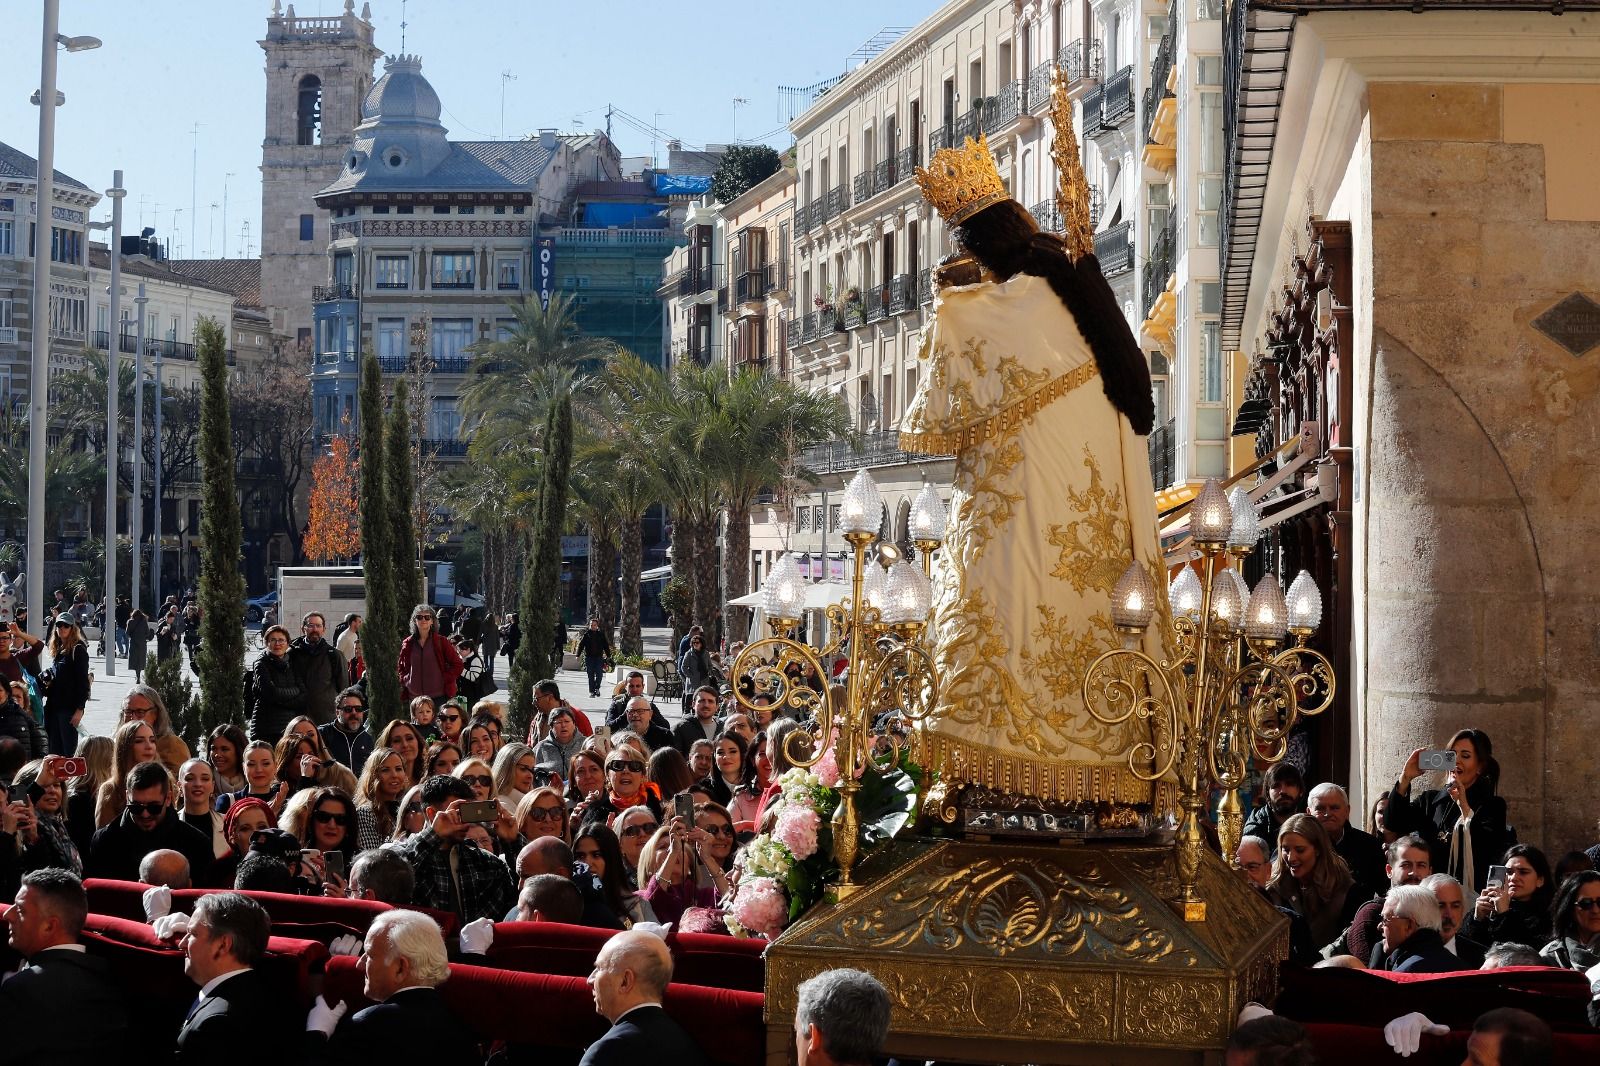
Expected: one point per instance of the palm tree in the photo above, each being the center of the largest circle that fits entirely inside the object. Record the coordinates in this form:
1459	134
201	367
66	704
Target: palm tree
750	444
72	476
592	505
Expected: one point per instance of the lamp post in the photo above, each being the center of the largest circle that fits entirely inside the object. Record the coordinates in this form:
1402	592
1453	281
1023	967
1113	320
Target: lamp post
136	520
113	450
39	367
155	517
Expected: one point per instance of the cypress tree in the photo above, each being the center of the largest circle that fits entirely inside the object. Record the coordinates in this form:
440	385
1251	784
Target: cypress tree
540	603
380	636
400	487
221	655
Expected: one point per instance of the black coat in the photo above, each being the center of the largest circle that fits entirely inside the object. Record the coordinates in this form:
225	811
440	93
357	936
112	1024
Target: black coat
644	1035
688	731
69	683
1422	952
322	674
1264	823
273	695
410	1026
21	727
116	849
594	644
1364	855
1432	815
1521	923
245	1021
64	1008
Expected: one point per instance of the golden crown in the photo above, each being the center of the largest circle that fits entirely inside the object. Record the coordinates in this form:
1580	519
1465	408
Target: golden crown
960	182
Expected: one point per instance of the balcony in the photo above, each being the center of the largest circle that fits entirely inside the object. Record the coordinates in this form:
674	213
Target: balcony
1004	107
802	222
796	330
883	177
1039	85
753	285
405	364
339	290
1158	266
814	213
1114	249
1081	60
1162	444
1160	70
838	200
877	303
851	314
1045	214
925	287
1117	101
902	293
872	449
863	188
699	278
443	447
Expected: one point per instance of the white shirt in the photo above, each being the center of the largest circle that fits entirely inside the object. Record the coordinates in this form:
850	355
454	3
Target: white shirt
211	986
1450	946
80	948
630	1010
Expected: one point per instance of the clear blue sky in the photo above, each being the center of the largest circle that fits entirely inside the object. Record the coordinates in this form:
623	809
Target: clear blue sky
168	64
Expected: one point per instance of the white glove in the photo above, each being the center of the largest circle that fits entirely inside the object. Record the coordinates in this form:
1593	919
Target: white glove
477	937
157	902
1253	1010
1593	974
349	944
1404	1034
171	926
323	1018
653	928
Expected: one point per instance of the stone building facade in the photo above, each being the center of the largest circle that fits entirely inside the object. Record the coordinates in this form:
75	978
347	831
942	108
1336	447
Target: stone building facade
1457	151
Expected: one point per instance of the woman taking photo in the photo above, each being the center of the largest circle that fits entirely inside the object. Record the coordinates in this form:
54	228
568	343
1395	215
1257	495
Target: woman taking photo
197	787
429	663
598	848
225	751
310	753
143	704
1576	915
260	780
45	840
503	832
272	691
733	782
716	822
324	820
1310	878
383	781
680	876
1518	910
1464	822
134	743
403	739
65	684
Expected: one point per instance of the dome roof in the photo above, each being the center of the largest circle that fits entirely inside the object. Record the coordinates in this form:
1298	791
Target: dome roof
402	96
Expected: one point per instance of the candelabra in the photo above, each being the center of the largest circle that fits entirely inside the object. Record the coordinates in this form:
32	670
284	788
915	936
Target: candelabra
891	683
1238	675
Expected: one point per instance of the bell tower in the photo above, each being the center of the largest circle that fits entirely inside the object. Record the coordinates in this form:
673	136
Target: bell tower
318	71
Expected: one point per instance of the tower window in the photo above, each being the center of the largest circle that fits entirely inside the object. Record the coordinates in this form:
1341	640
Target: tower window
308	226
308	123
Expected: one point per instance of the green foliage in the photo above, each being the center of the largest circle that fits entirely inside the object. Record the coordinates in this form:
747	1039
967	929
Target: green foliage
221	584
541	582
380	636
166	677
677	598
400	488
742	168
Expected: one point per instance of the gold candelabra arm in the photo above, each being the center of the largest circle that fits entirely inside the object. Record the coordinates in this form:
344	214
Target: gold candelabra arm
768	676
1309	670
904	681
1126	683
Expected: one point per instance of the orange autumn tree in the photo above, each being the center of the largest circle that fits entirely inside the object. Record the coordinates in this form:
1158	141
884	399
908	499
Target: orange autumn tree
334	531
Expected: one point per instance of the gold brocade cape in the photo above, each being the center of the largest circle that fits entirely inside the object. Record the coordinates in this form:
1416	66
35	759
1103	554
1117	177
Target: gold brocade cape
1052	499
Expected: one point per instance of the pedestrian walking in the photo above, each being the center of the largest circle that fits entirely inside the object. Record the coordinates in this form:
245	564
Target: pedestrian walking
595	648
136	638
65	684
489	646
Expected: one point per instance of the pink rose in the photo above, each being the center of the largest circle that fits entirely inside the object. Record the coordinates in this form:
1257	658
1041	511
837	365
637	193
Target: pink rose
761	907
797	831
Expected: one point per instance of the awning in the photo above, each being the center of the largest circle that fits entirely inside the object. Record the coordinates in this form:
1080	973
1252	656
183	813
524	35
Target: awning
657	573
819	596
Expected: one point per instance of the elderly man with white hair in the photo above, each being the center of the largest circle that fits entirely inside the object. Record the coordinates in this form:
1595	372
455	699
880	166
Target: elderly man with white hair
404	964
629	979
1452	908
1411	940
1330	804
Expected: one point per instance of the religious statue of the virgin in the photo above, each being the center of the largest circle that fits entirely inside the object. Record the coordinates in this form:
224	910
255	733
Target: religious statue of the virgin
1034	382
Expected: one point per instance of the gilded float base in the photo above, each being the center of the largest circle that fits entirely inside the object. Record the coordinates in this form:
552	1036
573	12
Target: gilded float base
1022	953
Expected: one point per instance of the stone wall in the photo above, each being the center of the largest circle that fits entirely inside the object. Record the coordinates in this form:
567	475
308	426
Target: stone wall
1481	445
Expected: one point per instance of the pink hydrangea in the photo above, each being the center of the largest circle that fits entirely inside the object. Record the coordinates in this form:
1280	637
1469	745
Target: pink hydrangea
827	767
797	831
762	907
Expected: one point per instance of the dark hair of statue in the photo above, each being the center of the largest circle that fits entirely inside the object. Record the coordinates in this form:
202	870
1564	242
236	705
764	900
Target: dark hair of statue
1005	239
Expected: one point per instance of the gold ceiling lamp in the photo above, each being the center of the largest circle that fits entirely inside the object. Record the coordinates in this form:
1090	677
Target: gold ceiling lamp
1234	687
1072	190
892	682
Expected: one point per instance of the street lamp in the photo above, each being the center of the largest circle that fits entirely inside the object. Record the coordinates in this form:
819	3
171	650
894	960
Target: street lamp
39	367
113	378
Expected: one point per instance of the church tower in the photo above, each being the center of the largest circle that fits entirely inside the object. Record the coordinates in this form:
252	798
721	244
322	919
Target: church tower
318	71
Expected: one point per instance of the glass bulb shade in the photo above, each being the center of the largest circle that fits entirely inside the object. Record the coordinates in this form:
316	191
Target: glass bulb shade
862	509
784	593
1184	593
928	516
1133	599
907	595
1305	603
1210	517
1226	604
1246	520
872	585
1266	617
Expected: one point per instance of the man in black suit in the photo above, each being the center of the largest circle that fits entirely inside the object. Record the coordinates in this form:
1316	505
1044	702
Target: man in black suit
1447	890
1361	852
704	724
841	1019
147	824
617	713
630	977
655	735
63	1007
239	1017
404	964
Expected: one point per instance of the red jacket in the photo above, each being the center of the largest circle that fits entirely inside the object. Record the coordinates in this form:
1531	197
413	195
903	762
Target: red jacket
444	653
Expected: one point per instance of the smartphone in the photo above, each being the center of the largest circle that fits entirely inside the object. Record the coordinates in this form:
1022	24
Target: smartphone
306	864
1438	759
482	811
16	793
333	864
73	767
684	804
1497	876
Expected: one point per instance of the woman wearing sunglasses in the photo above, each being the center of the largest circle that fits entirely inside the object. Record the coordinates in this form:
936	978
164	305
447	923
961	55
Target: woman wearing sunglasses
429	664
542	814
324	819
681	873
451	720
598	848
411	820
515	773
626	786
480	777
634	827
1576	915
66	685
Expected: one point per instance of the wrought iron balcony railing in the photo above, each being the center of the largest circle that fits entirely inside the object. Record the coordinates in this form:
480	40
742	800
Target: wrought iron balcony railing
1114	249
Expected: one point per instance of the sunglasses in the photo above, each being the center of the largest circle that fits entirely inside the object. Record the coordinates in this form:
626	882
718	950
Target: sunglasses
1588	903
449	718
331	818
139	808
639	830
424	617
719	830
64	624
481	780
546	814
630	766
353	708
